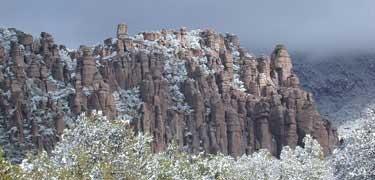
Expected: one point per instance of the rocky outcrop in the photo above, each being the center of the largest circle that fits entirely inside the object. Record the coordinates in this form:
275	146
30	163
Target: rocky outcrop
198	88
281	63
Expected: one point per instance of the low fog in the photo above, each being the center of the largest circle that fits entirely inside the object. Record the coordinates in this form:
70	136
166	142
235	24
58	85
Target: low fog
303	26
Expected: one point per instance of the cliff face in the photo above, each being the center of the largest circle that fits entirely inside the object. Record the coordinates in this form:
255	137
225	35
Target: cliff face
199	88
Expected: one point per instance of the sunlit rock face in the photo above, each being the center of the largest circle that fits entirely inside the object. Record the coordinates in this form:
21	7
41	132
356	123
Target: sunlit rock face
199	88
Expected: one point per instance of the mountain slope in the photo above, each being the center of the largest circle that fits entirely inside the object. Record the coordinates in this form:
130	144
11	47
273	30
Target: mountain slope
343	87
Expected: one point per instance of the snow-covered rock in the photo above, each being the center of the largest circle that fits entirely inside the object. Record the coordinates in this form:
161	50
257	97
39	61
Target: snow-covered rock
197	87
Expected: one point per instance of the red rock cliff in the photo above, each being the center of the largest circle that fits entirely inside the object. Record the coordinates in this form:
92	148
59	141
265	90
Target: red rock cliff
200	88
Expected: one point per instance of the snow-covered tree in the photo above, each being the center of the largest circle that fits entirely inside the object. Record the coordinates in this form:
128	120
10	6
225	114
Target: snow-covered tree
306	163
7	170
355	159
97	148
259	165
174	164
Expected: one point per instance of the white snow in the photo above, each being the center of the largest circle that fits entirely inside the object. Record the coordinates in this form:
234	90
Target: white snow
193	38
203	65
127	104
86	91
65	58
175	72
113	54
237	82
6	36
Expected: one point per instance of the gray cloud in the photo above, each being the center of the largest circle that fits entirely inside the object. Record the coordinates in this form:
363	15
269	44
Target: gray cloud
260	24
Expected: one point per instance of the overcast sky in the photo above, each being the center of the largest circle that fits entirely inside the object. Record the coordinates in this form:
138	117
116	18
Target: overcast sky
260	24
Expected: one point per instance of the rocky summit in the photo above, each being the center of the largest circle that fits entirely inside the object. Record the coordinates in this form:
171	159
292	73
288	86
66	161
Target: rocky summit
198	88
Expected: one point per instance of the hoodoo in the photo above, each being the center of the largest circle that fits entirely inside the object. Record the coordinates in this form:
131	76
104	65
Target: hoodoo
199	88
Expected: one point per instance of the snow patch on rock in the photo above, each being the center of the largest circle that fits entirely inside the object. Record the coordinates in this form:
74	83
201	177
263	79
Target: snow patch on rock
128	103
